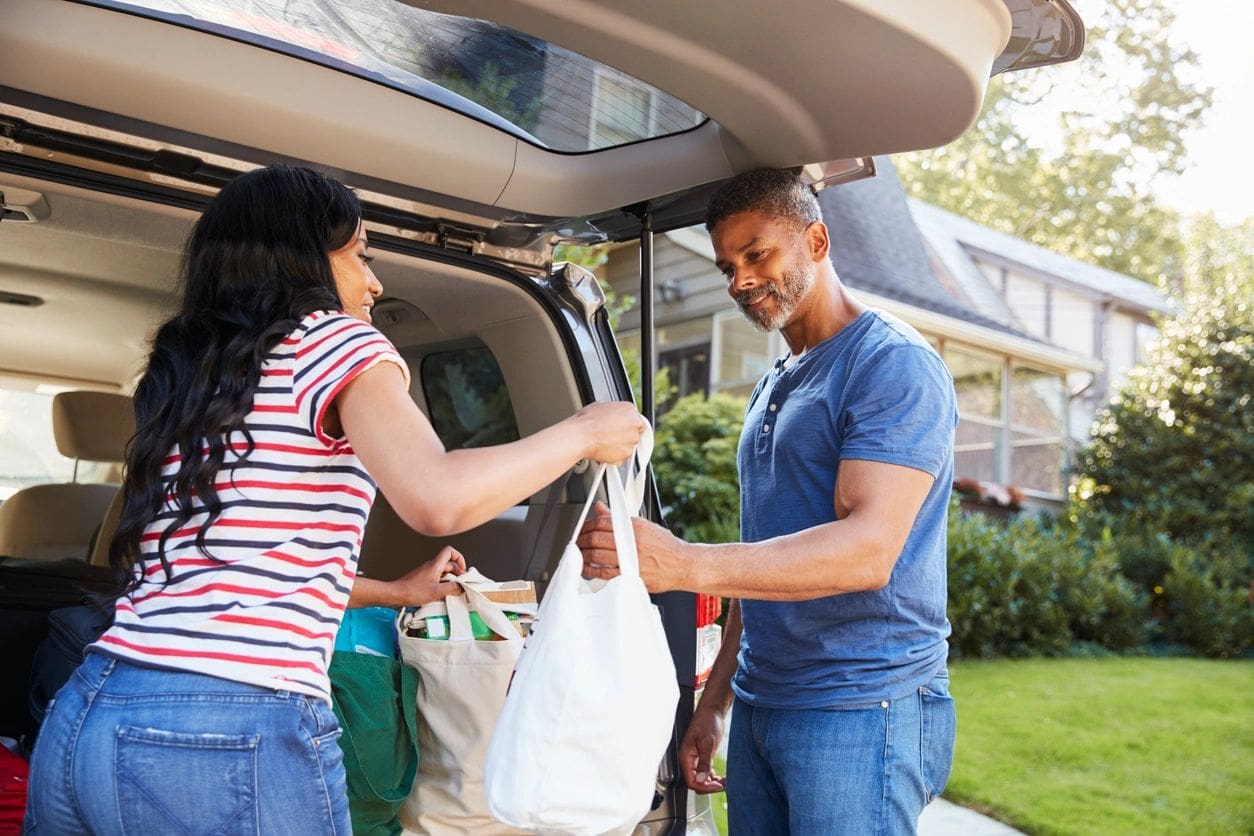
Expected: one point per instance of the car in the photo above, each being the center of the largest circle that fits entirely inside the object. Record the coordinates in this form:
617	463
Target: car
482	136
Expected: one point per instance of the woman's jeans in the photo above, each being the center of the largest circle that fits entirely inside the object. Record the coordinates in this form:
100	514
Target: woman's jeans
126	749
864	769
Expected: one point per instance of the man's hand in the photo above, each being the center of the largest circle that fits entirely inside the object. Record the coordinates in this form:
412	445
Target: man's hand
696	752
663	566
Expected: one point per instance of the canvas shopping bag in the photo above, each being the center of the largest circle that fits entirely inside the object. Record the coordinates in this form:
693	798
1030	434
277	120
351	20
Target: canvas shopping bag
461	686
592	706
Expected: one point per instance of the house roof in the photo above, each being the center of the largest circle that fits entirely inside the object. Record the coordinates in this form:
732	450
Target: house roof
877	247
957	242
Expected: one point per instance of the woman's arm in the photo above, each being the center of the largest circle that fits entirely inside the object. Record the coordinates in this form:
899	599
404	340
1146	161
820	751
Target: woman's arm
439	493
413	589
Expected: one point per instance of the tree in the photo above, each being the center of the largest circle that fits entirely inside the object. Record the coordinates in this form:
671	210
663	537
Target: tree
1133	98
1174	452
1171	460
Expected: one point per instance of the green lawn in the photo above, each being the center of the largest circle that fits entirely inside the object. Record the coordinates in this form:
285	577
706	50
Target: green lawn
1107	745
1104	746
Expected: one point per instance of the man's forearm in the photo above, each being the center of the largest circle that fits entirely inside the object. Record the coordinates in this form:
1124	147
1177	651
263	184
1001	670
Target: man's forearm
829	559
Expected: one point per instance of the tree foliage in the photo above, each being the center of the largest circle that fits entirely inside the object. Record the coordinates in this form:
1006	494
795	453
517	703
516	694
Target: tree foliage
1132	97
1174	452
694	461
1171	459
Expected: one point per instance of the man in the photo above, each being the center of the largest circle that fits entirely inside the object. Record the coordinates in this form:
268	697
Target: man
835	644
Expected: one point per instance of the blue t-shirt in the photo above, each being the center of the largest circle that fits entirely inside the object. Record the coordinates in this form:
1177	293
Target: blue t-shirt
874	391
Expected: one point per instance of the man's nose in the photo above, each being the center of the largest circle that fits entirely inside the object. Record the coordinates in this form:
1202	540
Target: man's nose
742	280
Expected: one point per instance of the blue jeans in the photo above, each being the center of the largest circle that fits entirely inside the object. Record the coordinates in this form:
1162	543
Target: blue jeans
126	749
859	770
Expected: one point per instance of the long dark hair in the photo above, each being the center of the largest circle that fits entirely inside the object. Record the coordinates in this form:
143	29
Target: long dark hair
255	264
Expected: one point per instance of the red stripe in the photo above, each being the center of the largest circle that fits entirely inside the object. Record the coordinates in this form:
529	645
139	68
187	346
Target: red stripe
208	654
243	590
272	624
262	446
266	524
358	356
276	372
289	409
300	561
348	324
279	486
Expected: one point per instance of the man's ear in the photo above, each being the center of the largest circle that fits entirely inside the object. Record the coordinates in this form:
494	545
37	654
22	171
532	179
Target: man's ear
817	242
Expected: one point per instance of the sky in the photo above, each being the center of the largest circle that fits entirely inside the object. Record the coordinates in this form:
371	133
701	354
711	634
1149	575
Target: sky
1221	178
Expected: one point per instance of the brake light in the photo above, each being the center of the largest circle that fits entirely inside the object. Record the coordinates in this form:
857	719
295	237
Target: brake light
709	608
709	635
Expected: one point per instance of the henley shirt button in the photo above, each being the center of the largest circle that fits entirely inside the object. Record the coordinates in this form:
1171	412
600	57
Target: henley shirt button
766	428
773	407
884	705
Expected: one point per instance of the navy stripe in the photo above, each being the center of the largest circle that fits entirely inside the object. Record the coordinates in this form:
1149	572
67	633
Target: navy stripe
346	346
253	571
218	608
201	634
315	507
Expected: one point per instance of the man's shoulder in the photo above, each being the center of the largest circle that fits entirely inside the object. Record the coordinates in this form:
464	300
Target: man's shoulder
890	342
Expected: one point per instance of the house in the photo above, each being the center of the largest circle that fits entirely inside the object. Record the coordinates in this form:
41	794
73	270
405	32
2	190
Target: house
1028	369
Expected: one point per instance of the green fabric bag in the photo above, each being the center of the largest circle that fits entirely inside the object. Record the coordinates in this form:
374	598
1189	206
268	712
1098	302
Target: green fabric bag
374	698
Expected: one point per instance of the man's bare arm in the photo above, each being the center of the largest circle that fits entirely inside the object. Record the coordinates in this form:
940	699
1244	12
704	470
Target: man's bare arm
875	503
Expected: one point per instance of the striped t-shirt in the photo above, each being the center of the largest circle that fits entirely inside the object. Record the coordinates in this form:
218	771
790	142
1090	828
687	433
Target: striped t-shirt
267	610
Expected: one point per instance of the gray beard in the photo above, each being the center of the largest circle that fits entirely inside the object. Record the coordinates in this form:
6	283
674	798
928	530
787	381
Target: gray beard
787	293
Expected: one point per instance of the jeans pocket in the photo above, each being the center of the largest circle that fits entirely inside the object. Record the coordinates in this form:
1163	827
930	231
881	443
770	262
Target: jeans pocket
938	728
175	782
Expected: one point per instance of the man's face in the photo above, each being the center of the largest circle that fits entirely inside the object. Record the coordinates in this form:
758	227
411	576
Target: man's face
767	266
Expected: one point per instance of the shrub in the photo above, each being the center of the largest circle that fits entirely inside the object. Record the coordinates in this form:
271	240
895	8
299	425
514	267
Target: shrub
694	460
1035	587
1204	608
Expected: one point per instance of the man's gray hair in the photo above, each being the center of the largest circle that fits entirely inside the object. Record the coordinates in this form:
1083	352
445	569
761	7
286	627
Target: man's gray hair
773	191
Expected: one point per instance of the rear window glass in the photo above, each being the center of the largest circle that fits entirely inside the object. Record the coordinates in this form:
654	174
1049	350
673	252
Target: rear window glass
467	399
549	96
28	451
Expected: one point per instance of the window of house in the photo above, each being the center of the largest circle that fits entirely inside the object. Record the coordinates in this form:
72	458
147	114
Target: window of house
741	353
1073	322
1146	333
979	436
1029	300
688	370
1038	423
467	399
28	449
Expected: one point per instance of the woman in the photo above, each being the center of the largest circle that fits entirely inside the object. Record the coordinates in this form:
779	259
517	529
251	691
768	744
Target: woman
269	410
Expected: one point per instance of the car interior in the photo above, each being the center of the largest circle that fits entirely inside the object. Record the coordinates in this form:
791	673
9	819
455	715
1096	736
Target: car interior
94	272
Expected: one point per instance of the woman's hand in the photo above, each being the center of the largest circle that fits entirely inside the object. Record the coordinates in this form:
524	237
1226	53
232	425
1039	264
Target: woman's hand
422	585
611	429
416	587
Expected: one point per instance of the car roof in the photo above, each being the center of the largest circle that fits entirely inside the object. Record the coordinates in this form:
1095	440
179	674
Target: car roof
827	81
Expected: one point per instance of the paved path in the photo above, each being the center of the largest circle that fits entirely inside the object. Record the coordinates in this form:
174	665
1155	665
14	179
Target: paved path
944	818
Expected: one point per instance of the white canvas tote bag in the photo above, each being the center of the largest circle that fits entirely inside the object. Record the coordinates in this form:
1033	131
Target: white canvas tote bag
592	706
461	688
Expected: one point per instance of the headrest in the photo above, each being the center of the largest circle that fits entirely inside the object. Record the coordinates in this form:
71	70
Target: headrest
95	426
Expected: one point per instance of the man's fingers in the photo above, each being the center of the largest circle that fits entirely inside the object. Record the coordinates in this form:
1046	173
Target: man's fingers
596	540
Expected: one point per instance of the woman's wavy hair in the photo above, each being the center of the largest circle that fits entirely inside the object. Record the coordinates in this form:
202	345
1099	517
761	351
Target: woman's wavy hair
255	264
